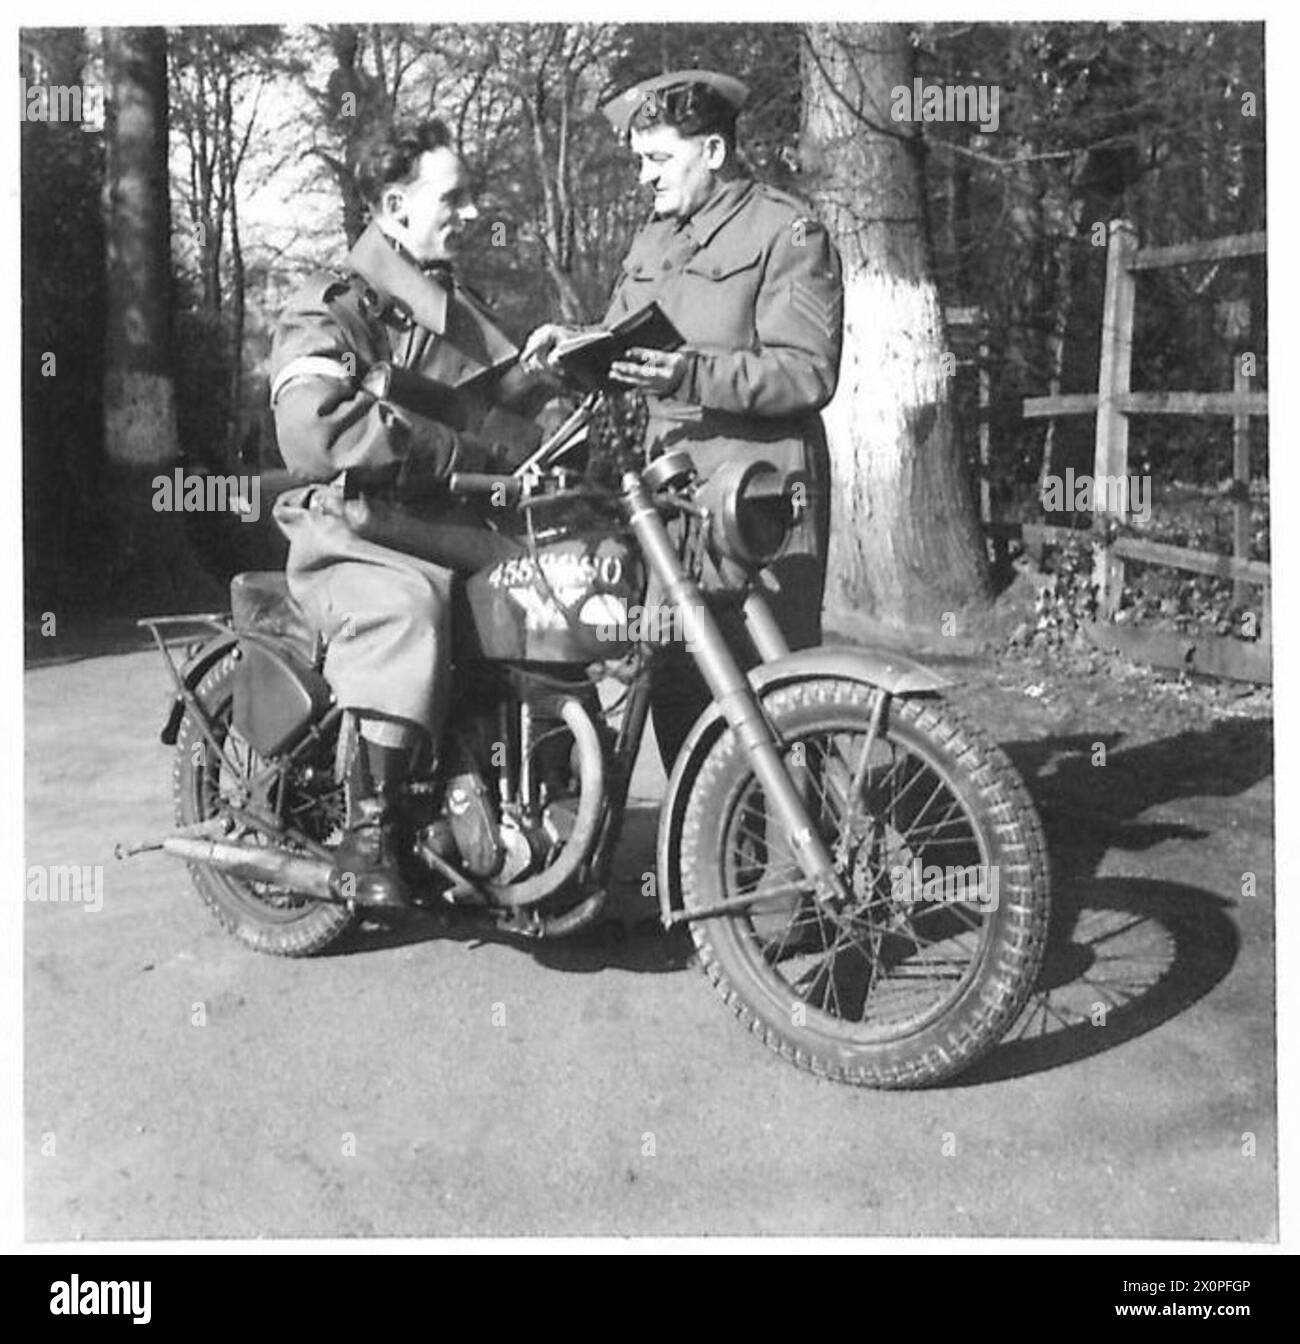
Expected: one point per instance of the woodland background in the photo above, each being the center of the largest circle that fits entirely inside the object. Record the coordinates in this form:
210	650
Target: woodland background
158	249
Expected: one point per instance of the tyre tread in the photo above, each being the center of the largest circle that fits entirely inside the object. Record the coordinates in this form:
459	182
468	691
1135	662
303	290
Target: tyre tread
1017	961
318	929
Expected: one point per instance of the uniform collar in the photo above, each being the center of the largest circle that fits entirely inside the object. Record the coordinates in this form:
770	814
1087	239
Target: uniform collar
718	209
394	276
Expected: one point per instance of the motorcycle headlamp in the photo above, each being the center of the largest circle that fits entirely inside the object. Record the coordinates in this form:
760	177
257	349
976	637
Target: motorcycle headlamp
753	512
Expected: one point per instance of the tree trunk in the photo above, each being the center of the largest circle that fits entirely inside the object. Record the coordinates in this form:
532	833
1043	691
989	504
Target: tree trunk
230	173
139	390
554	223
906	550
1102	175
140	411
62	311
1251	198
353	124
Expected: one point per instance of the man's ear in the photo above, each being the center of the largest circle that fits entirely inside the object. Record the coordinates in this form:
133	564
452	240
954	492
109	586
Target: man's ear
715	151
393	202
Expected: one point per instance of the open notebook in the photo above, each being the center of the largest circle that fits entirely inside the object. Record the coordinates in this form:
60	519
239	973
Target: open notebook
585	358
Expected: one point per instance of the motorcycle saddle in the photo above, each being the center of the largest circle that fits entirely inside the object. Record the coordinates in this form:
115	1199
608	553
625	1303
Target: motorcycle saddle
260	603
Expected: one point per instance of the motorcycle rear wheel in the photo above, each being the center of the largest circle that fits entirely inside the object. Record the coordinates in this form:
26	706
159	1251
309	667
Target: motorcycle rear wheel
264	917
921	970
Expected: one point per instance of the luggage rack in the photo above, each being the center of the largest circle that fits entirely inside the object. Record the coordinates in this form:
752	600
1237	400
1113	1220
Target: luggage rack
184	697
217	621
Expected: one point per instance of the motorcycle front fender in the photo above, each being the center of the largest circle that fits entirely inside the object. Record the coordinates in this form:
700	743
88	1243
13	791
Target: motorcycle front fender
892	672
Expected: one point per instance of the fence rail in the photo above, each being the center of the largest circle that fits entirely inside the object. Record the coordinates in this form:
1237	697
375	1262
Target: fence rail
1211	249
1115	401
1149	403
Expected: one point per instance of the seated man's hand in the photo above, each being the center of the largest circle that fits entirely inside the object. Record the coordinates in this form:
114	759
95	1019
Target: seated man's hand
657	371
423	476
377	380
554	414
536	354
491	456
506	457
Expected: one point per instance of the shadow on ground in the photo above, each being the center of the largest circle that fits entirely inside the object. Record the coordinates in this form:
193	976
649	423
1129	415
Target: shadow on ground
626	936
1134	951
1138	949
1131	952
1125	953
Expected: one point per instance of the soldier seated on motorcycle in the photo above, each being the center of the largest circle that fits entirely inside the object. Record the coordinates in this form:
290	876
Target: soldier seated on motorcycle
344	342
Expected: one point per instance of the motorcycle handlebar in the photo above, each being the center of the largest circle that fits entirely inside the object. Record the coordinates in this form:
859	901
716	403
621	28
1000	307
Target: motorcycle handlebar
506	491
503	488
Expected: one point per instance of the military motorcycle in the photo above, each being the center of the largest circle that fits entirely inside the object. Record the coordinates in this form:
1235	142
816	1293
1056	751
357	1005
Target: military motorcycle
860	867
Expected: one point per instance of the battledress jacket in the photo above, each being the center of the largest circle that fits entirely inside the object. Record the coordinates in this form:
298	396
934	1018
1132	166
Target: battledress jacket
384	612
754	285
382	308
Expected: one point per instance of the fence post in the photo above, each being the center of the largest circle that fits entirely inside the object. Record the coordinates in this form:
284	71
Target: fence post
986	491
1241	477
1110	457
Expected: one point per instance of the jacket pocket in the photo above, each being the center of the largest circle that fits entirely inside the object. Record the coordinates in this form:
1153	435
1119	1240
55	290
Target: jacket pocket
723	263
640	272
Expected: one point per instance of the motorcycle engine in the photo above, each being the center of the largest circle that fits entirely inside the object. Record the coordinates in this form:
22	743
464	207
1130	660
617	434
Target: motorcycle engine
509	799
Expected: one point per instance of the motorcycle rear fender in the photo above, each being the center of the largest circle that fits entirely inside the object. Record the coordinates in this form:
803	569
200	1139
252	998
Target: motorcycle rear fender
192	672
892	672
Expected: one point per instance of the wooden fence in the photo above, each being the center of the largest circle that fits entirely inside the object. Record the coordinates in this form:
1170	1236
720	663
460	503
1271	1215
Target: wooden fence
1113	403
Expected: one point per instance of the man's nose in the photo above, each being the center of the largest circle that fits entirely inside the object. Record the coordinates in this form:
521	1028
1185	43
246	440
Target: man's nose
468	212
649	174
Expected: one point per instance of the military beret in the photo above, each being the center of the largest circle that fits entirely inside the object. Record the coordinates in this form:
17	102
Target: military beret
620	109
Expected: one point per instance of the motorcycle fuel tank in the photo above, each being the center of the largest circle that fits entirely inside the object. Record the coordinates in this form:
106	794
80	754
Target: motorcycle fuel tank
571	602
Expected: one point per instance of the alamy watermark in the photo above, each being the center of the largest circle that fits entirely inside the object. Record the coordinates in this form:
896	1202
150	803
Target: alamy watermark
74	883
973	884
197	492
1083	493
663	623
75	1296
946	102
82	103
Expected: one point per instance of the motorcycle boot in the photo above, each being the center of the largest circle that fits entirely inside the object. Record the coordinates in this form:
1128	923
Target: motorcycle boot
367	863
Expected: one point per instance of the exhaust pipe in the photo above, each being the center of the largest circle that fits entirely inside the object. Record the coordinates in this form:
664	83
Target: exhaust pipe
586	827
257	863
310	877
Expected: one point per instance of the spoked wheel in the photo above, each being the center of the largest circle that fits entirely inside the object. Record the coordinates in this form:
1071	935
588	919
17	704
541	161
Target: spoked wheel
933	949
204	784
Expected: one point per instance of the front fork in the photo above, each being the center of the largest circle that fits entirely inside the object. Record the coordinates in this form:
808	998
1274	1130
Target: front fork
730	686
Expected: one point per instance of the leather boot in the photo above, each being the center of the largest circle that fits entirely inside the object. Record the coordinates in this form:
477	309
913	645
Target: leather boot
367	863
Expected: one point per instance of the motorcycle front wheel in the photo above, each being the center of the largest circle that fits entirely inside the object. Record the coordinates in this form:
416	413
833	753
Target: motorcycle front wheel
930	953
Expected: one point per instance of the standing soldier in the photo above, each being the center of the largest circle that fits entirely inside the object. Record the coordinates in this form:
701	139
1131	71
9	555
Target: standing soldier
345	352
753	284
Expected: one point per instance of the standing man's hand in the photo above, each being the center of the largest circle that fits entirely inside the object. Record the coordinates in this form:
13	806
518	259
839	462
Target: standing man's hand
536	354
657	371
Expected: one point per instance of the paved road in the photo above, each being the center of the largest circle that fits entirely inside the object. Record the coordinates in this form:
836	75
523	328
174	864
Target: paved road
427	1087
